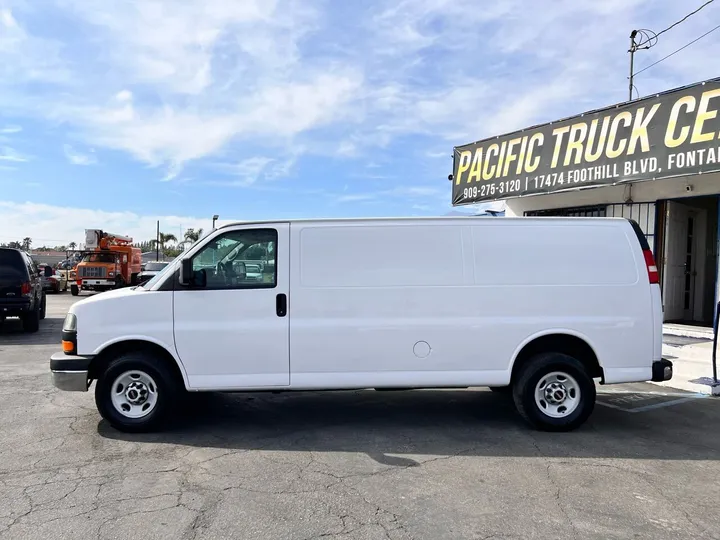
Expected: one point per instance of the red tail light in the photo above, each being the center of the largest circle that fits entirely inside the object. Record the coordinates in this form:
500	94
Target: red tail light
651	266
25	288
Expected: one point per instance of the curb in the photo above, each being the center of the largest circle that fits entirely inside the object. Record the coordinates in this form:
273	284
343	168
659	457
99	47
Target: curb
686	331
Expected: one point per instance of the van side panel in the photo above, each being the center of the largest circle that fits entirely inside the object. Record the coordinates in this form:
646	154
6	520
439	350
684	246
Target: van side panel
378	304
412	304
587	277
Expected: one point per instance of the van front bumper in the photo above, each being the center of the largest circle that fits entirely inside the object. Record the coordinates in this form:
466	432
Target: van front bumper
662	370
69	372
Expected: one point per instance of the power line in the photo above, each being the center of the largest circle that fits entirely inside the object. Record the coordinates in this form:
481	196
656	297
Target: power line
678	50
678	22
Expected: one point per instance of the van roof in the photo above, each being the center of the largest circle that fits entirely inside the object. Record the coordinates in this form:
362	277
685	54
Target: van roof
482	219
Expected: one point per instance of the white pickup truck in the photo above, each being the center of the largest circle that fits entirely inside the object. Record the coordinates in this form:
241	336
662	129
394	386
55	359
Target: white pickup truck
539	307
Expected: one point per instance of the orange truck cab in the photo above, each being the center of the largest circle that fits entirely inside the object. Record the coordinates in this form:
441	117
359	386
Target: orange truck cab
111	262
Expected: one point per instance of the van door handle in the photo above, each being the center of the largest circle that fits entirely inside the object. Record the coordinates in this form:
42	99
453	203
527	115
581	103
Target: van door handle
281	305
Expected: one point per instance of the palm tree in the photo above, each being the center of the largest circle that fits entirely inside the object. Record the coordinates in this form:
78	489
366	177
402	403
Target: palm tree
72	245
26	243
191	235
164	239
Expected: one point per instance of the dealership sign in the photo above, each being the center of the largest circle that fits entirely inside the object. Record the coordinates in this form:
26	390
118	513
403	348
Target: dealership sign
672	134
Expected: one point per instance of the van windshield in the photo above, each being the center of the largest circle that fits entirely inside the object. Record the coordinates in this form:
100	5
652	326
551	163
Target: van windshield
99	258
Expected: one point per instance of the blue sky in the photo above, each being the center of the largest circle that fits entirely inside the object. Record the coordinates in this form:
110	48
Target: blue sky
116	113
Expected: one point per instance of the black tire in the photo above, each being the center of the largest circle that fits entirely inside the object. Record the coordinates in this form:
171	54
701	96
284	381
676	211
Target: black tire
532	373
43	307
168	391
74	290
31	320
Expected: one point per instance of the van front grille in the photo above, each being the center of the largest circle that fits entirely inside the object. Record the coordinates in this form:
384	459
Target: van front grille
92	272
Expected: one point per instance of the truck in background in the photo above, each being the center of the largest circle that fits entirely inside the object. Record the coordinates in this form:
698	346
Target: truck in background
110	262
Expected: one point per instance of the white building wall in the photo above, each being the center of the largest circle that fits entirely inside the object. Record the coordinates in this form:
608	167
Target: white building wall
649	191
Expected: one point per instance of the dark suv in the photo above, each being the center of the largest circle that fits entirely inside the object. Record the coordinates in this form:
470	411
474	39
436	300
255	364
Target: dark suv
21	293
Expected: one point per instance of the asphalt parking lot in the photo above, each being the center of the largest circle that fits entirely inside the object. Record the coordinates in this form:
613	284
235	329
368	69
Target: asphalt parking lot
398	465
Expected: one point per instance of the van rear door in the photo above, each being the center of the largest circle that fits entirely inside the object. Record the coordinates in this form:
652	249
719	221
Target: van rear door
653	277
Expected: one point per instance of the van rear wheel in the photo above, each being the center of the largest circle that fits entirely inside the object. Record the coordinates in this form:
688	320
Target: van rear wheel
554	392
137	393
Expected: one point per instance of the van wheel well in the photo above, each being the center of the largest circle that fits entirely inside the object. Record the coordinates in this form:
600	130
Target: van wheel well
100	363
559	343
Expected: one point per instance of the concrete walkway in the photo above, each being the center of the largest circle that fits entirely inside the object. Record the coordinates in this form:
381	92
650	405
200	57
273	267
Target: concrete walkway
690	350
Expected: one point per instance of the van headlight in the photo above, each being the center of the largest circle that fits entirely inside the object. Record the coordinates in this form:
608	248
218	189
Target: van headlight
69	334
70	324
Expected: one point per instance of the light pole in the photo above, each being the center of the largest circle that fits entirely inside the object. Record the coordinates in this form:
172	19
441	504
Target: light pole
215	218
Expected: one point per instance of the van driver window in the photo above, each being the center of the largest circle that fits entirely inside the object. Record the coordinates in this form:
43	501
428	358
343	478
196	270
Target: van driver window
239	260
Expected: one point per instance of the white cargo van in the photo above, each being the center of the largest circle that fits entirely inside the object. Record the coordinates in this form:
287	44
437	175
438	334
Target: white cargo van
536	306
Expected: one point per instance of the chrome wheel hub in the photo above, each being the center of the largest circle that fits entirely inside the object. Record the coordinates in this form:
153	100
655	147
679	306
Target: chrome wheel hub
557	394
134	394
137	393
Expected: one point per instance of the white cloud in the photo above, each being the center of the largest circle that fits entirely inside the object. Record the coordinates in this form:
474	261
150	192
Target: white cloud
8	130
248	171
401	192
26	58
358	197
58	225
10	154
175	82
174	135
78	158
124	96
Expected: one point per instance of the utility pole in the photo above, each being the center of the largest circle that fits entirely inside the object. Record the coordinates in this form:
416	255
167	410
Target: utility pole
646	42
633	48
157	242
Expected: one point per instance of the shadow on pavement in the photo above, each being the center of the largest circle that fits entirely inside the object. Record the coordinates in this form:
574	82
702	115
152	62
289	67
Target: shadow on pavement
431	422
12	333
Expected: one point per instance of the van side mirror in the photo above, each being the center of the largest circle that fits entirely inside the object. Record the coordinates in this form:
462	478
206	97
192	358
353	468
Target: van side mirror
189	278
185	272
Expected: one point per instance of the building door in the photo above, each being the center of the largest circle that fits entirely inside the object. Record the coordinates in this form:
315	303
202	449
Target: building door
681	262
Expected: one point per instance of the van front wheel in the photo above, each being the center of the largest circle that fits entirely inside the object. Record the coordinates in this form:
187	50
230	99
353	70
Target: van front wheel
136	393
554	392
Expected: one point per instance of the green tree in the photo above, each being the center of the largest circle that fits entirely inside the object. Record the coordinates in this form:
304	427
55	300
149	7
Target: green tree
26	243
164	239
192	236
72	245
